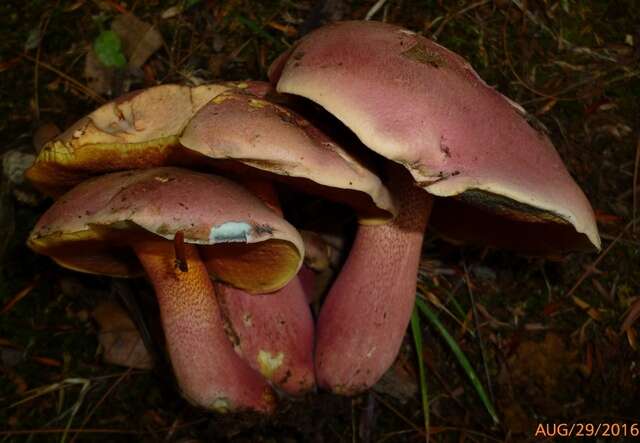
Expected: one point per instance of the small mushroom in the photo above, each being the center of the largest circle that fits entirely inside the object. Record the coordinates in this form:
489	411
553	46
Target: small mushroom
424	107
177	226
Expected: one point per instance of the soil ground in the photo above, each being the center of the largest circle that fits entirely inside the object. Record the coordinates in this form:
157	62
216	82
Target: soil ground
554	340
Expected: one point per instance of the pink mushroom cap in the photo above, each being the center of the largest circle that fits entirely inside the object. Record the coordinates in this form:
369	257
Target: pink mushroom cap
243	127
421	105
242	241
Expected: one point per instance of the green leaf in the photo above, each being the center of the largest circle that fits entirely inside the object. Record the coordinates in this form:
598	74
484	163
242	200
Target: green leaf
256	28
416	329
108	48
190	3
462	359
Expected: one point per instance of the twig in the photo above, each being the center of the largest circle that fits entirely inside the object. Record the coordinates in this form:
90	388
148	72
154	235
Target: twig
477	328
20	295
560	40
603	74
597	261
558	95
635	184
85	89
62	430
42	31
450	17
102	399
374	9
399	414
394	435
434	430
507	56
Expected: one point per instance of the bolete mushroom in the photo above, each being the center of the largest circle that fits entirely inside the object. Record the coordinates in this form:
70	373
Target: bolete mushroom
250	136
241	133
424	107
177	226
142	130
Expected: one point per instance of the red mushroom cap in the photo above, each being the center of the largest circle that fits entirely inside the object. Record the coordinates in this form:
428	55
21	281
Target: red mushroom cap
246	128
421	105
242	241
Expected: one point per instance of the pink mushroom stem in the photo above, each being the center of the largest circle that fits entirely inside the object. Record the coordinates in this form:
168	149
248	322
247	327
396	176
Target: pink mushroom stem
365	316
272	332
208	370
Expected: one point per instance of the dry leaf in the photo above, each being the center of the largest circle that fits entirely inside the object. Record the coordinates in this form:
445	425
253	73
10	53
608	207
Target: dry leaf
590	310
120	338
43	134
139	39
632	315
99	77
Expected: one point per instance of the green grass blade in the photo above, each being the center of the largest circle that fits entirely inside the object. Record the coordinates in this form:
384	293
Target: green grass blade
416	329
462	359
257	29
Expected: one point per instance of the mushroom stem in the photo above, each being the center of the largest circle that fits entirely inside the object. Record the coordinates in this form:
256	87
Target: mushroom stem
364	317
273	332
209	372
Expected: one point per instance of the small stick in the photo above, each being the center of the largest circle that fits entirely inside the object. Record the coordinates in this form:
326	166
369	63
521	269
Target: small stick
178	245
477	327
635	184
597	261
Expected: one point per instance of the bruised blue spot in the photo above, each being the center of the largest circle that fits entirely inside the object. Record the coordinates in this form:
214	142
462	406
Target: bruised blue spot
230	232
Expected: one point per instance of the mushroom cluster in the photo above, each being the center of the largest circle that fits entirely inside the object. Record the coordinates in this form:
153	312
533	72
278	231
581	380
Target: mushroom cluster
181	184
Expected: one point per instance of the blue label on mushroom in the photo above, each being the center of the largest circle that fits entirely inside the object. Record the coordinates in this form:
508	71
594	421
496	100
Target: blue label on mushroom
230	232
